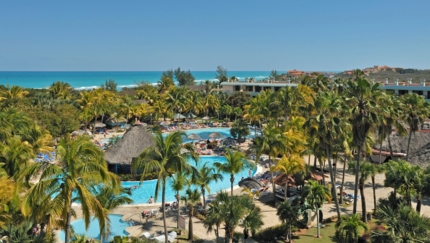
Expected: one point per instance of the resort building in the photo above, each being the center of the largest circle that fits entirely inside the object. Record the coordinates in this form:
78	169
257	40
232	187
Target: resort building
255	87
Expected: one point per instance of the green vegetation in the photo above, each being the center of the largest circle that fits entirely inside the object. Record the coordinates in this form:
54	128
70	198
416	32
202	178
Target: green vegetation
335	120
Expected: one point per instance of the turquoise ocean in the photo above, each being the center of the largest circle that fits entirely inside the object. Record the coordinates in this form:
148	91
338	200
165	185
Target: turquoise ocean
88	80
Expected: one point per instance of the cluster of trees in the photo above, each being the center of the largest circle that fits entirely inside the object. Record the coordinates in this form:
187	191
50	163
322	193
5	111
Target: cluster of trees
42	193
323	117
169	158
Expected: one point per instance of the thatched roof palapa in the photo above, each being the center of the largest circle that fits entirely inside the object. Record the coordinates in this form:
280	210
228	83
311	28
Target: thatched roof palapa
133	142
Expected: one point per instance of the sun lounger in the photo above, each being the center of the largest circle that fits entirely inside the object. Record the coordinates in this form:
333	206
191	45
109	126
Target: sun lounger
154	213
147	235
170	237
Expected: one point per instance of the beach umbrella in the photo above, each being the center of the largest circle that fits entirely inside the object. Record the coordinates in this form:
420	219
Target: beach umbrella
194	136
178	116
191	115
250	183
98	124
206	118
215	135
164	123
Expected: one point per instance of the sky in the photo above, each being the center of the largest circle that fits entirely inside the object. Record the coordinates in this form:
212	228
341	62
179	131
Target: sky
311	35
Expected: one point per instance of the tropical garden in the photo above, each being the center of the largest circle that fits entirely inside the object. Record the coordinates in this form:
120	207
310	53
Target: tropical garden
317	126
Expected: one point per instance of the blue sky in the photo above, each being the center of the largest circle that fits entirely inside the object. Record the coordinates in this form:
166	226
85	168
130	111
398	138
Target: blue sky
200	35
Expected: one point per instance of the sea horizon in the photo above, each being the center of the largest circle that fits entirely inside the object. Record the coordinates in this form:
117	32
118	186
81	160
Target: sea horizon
93	79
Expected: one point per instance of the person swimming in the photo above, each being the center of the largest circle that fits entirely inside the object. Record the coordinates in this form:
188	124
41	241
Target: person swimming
151	200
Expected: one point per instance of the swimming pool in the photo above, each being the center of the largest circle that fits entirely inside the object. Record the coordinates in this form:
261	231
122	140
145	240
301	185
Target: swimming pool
142	193
204	133
117	228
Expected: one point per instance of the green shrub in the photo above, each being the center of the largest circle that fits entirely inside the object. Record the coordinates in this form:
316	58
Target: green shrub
200	216
276	231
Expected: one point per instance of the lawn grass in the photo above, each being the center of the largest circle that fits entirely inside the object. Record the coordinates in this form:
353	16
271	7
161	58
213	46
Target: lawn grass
183	237
327	234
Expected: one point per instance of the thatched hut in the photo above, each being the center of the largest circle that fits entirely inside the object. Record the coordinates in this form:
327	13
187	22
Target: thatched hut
120	156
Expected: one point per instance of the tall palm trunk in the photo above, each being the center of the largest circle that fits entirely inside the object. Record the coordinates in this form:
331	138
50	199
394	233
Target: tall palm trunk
318	220
204	199
231	181
322	170
68	226
409	143
380	152
374	193
357	175
163	208
343	180
419	199
309	160
363	203
178	211
389	146
190	224
333	182
271	179
286	189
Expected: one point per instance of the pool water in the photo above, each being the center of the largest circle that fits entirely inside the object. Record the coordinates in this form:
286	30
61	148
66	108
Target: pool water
142	193
205	132
117	227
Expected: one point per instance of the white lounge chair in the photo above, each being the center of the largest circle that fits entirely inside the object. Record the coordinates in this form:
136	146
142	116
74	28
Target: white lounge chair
154	212
147	235
170	237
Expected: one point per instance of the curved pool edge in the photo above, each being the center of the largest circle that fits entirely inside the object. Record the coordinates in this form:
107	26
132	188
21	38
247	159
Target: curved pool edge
260	169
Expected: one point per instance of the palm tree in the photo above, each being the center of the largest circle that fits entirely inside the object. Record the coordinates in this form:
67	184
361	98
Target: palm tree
15	155
252	220
210	102
289	166
239	130
361	96
328	126
60	90
235	163
398	175
191	198
221	74
193	103
289	215
271	142
419	184
214	218
315	194
347	229
416	109
232	210
390	118
178	184
80	165
165	159
161	108
404	224
205	176
109	200
12	93
237	111
366	170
